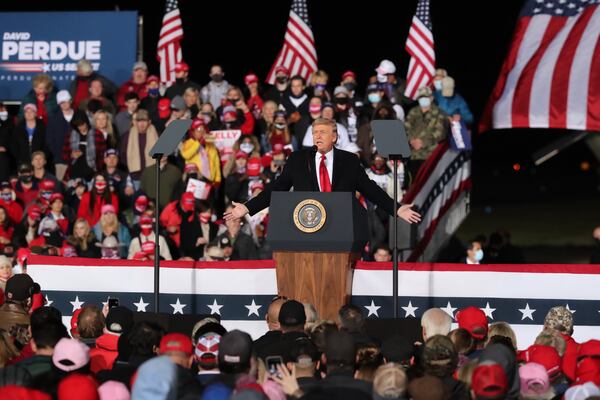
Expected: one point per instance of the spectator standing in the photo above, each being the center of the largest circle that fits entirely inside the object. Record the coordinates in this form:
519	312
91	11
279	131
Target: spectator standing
42	96
136	146
136	84
215	91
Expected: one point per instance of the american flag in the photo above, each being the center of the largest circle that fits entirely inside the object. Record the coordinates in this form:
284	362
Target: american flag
168	50
551	75
239	292
419	45
441	190
298	54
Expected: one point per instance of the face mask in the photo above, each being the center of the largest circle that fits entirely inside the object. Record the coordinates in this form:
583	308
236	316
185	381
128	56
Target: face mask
350	86
46	195
479	255
153	92
233	100
26	178
247	147
146	229
320	86
217	77
241	170
3	115
7	197
341	101
193	175
110	253
100	186
314	109
179	80
281	79
374	97
204	218
206	117
280	126
437	84
424	102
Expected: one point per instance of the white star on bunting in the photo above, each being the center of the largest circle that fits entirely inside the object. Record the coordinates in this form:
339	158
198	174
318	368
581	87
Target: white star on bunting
527	312
410	310
488	310
177	307
141	306
76	304
252	308
449	309
372	309
48	301
214	307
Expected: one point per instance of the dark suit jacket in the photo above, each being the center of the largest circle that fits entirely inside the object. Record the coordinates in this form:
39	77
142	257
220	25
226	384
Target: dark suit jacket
299	173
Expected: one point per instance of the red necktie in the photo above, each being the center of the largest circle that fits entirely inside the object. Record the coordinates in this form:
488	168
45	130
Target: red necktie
324	176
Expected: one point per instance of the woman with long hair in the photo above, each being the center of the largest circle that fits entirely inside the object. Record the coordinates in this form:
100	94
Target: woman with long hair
247	144
199	149
6	229
279	133
104	136
93	201
84	240
109	225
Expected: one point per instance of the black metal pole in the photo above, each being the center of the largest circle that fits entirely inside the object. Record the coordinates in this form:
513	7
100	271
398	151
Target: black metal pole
158	157
395	241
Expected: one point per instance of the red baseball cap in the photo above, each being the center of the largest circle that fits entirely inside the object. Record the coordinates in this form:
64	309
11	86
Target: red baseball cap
145	220
176	342
152	78
348	74
188	201
277	148
257	185
34	211
182	67
250	78
141	203
78	387
588	370
543	355
591	348
56	196
489	381
198	122
253	166
281	68
164	108
47	185
13	392
190	167
74	320
471	318
240	154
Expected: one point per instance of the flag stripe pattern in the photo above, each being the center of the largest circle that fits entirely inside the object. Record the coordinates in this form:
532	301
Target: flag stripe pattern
298	54
240	291
419	44
168	51
551	76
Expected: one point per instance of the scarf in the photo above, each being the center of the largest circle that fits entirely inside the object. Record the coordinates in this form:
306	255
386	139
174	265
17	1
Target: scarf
133	144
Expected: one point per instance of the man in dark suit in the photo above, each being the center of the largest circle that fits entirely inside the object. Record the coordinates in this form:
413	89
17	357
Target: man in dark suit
326	169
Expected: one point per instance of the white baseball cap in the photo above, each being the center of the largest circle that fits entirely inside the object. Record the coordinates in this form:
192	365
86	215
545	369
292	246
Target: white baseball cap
63	96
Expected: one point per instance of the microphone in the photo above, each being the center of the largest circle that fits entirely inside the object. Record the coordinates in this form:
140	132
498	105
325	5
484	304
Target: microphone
314	148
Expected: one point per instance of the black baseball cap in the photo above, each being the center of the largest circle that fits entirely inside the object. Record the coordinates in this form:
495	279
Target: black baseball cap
20	287
119	319
235	350
292	313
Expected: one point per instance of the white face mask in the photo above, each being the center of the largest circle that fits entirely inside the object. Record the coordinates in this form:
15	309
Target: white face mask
437	84
3	115
247	147
424	102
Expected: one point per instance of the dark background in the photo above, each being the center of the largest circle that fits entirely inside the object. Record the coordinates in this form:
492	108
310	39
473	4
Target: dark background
470	42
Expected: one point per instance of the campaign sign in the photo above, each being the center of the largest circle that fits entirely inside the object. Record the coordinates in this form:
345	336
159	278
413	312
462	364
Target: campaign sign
32	43
224	141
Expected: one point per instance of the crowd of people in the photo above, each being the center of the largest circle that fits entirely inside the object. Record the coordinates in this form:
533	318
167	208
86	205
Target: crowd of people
110	355
76	177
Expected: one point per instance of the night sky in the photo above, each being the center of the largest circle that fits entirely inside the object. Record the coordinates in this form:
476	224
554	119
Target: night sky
470	42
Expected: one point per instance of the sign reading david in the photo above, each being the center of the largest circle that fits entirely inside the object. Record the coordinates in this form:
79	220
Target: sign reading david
32	43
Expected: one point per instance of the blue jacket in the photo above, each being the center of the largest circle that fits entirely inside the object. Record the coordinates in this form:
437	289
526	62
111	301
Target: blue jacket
451	104
124	238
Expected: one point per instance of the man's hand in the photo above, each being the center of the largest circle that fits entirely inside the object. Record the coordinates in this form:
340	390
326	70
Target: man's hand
406	213
416	143
239	210
201	241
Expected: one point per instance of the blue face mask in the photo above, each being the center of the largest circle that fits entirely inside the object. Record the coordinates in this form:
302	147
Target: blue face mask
479	255
374	97
7	197
153	92
424	102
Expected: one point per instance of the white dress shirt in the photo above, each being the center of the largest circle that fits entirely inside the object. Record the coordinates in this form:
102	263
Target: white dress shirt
328	165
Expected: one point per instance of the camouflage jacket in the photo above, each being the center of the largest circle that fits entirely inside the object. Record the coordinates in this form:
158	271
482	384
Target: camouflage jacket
431	127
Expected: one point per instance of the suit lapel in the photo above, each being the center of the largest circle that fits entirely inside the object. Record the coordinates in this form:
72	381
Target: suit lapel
337	168
312	172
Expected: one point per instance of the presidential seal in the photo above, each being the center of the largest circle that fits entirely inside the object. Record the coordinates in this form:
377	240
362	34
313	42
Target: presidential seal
309	216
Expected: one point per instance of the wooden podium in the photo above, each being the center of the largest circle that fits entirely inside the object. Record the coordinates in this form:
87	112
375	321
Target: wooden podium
316	266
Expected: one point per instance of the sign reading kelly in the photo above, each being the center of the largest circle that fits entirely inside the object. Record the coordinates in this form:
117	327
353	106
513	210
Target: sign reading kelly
53	42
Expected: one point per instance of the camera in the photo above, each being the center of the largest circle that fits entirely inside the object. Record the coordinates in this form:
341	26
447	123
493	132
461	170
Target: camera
113	303
272	362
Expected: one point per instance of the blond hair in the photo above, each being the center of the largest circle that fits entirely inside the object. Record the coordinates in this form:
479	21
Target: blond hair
111	139
318	74
550	337
325	121
44	79
502	329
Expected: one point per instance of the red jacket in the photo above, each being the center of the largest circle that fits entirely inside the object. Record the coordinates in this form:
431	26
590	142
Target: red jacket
127	87
105	353
14	211
569	359
170	217
93	216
